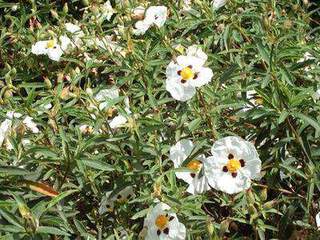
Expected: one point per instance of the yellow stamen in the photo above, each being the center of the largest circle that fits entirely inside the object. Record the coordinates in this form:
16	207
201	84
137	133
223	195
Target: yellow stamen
161	222
194	165
50	44
233	165
187	73
111	112
258	101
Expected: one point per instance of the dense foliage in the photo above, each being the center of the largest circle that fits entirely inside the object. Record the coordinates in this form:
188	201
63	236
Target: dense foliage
55	182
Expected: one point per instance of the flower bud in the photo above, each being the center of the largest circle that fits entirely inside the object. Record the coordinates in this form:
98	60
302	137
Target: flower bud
85	2
210	227
47	82
250	197
138	13
7	94
65	8
264	194
54	14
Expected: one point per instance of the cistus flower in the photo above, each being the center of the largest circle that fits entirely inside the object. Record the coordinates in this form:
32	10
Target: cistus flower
316	95
52	48
86	129
178	154
234	162
187	73
254	99
76	33
9	125
219	3
154	15
109	200
161	223
318	220
106	103
106	12
308	57
107	43
138	13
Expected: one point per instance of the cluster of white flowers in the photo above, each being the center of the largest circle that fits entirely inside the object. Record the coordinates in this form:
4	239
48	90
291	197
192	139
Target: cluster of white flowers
233	162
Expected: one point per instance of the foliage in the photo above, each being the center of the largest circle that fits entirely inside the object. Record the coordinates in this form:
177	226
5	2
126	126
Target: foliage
55	185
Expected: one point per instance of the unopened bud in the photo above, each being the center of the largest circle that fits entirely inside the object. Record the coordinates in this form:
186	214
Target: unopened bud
250	197
54	13
138	13
85	2
7	94
65	8
270	204
264	194
47	82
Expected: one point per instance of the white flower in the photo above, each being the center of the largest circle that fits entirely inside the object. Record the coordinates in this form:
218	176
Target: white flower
178	154
44	107
154	15
51	48
234	162
316	95
218	3
106	98
106	11
196	51
108	201
308	56
29	123
72	28
77	34
106	205
124	195
138	12
187	73
161	223
7	126
107	43
318	220
254	99
186	6
86	129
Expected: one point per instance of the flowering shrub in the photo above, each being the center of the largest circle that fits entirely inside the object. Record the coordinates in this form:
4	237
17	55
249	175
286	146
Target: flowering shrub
189	119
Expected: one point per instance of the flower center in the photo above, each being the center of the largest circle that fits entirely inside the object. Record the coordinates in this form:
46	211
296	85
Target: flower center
258	101
50	44
161	222
233	165
187	73
111	112
194	165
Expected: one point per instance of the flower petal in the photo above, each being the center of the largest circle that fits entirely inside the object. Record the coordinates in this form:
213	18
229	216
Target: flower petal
204	76
39	48
178	91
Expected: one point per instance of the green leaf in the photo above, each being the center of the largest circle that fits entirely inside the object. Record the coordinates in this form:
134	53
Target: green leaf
308	119
99	165
10	218
13	171
52	230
